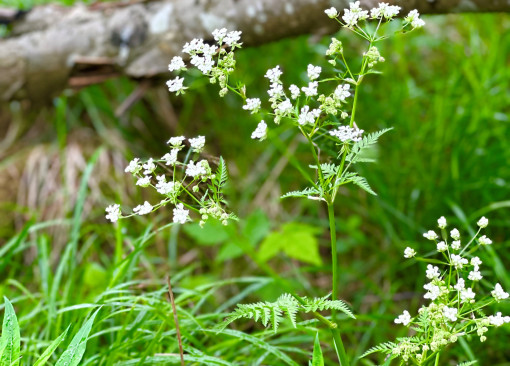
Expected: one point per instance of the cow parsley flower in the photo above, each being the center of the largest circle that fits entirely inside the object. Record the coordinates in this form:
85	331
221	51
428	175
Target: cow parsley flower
498	293
450	313
354	14
193	170
403	319
308	116
194	46
331	12
432	272
176	85
483	222
441	222
284	108
294	91
143	209
219	34
176	142
347	133
260	132
313	72
275	90
442	246
385	10
177	64
498	320
181	215
456	244
467	295
409	252
311	89
113	213
143	181
475	274
342	92
165	188
134	166
232	38
197	143
475	261
433	291
252	104
484	240
457	261
461	285
413	18
171	157
149	167
430	235
455	234
274	74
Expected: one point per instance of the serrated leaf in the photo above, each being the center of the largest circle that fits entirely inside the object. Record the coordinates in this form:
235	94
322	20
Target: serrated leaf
362	183
74	352
310	191
10	341
51	348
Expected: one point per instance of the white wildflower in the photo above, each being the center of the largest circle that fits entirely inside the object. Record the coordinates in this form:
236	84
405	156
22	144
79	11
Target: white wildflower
498	293
274	74
409	252
455	234
475	274
194	170
484	240
432	272
476	261
194	46
219	34
284	108
180	214
433	291
260	132
467	295
313	72
483	222
308	116
311	89
456	244
498	320
197	143
331	12
171	157
442	247
149	167
457	261
143	182
143	209
176	85
177	64
403	319
233	38
346	133
450	313
441	222
342	92
414	19
275	90
354	14
134	166
204	64
164	187
252	104
385	10
113	213
461	285
430	235
294	91
176	142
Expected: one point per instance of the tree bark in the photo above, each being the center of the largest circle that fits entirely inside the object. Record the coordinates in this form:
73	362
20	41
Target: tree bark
53	47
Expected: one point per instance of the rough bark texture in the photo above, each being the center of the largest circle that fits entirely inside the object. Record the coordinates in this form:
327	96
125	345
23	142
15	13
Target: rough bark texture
52	47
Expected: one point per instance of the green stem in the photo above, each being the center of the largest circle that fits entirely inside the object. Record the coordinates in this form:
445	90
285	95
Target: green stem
339	347
437	360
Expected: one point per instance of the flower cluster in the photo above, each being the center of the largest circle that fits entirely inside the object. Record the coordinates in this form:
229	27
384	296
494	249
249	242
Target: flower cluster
455	307
178	182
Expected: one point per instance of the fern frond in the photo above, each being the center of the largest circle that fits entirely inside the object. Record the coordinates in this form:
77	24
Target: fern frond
468	363
310	191
322	303
366	141
385	348
362	183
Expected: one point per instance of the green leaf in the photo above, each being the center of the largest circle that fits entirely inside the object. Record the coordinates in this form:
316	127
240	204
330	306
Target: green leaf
257	226
10	341
52	347
74	352
212	233
296	240
362	183
317	359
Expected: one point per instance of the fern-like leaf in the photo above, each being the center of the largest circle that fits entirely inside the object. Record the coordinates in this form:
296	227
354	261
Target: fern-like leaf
468	363
385	348
362	183
366	141
310	191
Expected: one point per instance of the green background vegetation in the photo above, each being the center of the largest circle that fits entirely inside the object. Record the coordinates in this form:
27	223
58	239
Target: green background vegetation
445	90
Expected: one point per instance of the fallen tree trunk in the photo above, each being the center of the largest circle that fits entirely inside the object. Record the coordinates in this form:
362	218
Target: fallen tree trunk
53	47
